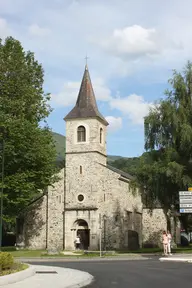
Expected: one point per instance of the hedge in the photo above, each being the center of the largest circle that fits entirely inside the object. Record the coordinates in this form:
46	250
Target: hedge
6	261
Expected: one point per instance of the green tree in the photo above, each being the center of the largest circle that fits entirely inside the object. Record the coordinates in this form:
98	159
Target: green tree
29	149
167	167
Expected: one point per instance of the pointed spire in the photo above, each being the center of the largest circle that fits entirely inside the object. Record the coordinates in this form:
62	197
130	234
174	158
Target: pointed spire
86	97
86	105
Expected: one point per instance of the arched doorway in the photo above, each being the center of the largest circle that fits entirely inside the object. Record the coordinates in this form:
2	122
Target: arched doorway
82	230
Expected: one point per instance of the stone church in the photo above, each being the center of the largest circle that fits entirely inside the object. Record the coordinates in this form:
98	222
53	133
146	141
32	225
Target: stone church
91	199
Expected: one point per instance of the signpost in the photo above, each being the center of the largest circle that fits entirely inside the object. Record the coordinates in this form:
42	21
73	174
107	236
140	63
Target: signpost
185	201
100	235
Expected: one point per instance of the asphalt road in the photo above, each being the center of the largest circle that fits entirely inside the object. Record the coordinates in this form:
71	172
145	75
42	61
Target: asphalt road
133	274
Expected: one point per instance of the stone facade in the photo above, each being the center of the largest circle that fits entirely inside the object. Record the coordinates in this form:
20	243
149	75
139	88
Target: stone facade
92	143
32	225
41	224
105	196
90	199
154	223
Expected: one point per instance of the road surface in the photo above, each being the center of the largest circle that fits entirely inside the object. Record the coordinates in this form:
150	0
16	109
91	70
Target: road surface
133	274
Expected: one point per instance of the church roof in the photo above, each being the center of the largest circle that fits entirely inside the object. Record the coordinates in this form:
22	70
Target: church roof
86	105
122	173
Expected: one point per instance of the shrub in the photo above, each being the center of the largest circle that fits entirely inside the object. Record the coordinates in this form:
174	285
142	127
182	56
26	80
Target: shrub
8	248
6	260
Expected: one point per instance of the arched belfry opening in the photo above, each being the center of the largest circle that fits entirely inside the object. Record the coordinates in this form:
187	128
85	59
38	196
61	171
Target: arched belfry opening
101	135
82	230
81	134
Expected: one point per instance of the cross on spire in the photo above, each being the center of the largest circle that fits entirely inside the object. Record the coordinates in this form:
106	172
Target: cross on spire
86	58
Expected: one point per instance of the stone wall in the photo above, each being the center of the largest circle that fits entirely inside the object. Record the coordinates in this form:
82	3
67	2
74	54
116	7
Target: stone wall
43	220
33	232
104	194
92	143
120	205
154	223
55	213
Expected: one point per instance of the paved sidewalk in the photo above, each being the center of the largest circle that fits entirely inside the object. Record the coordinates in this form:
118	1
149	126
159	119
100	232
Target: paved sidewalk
177	258
63	278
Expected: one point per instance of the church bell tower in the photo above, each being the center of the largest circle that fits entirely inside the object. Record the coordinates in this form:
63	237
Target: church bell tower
84	160
85	126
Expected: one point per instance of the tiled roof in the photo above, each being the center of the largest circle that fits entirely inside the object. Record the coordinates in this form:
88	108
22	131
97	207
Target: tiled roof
122	173
86	105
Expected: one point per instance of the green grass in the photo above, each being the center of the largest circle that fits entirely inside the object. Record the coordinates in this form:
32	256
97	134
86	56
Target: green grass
43	253
141	251
8	249
158	250
27	253
17	267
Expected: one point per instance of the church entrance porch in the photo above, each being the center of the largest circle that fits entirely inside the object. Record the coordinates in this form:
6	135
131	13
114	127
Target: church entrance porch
83	231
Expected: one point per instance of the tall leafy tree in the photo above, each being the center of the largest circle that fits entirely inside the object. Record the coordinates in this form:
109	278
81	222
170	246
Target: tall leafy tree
29	148
167	167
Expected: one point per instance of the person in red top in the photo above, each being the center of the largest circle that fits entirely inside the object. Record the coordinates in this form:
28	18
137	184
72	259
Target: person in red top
165	242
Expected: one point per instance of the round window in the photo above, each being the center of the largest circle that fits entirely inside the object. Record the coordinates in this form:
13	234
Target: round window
80	197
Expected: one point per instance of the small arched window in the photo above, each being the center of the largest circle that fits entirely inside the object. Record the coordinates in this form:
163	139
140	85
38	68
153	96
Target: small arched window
81	134
101	135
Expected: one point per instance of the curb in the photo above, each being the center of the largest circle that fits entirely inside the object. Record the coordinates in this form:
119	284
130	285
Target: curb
17	276
90	279
35	260
184	260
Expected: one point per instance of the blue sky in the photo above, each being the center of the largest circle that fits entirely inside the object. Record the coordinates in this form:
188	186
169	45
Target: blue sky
132	48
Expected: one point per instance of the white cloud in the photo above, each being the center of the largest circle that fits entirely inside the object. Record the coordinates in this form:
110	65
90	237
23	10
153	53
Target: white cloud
136	41
4	28
102	92
69	93
131	37
133	41
36	30
67	96
115	123
134	106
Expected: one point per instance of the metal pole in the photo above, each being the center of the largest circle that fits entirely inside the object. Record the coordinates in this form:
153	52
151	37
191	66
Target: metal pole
100	240
100	244
2	184
104	231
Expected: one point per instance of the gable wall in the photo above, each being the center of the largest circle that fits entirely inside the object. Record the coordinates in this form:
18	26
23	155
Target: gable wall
32	231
